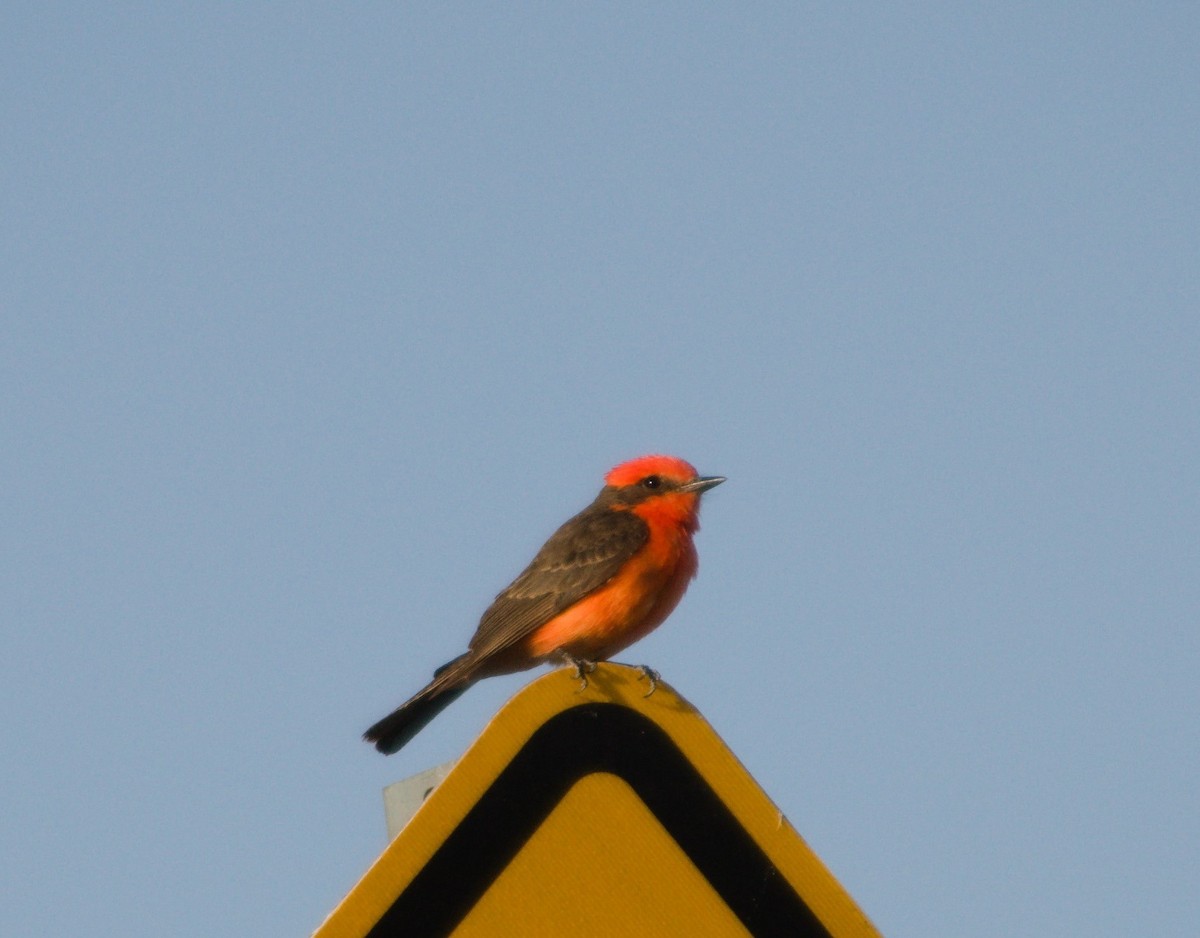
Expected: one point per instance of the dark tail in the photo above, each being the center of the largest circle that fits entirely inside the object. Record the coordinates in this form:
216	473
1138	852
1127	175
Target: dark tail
407	720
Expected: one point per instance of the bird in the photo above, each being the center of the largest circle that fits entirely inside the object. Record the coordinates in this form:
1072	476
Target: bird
604	579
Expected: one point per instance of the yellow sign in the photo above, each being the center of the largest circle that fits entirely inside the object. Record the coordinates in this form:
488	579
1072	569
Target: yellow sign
597	812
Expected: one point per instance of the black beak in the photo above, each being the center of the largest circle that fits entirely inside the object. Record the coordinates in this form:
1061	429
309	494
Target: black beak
702	484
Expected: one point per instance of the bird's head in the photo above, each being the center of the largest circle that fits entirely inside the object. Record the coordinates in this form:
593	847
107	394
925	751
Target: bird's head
661	486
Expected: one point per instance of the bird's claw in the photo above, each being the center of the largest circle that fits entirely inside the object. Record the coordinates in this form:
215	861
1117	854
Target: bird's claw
582	667
647	672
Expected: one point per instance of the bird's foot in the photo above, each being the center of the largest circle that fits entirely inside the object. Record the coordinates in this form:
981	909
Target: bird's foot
647	672
582	667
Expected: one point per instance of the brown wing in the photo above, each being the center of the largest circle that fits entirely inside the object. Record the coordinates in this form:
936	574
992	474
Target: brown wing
580	557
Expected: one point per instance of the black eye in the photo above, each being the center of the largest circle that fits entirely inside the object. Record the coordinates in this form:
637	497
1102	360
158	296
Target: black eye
651	482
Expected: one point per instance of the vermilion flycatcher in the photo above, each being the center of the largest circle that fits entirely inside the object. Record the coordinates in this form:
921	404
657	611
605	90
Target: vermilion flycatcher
603	580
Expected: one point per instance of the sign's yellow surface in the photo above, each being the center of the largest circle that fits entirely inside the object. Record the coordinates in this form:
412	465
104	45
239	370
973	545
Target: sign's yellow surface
597	812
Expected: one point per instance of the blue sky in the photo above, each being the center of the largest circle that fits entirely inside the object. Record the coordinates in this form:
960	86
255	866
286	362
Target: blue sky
317	321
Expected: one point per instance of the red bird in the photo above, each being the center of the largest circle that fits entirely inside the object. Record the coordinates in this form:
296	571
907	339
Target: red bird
604	579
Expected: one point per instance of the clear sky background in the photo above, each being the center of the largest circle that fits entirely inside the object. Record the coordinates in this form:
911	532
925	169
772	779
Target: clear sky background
318	320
